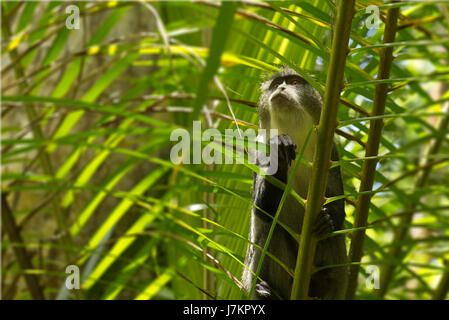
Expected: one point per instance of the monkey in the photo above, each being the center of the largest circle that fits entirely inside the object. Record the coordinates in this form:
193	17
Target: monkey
291	105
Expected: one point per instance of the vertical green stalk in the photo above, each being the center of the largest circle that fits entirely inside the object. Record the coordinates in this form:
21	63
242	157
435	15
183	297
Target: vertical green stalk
443	286
372	149
20	251
321	164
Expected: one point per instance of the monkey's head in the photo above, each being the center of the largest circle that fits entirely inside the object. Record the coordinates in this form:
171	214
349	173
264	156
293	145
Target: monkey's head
288	94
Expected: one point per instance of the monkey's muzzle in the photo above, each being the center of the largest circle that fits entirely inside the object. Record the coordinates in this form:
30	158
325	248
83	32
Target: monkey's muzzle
280	98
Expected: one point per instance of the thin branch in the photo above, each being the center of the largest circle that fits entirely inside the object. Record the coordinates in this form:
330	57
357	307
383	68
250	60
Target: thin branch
350	137
412	172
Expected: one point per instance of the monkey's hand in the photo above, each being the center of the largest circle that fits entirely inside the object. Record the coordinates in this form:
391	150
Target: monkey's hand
323	224
266	195
285	155
262	291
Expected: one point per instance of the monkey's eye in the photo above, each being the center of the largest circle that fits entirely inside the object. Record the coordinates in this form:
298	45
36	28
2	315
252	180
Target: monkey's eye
274	85
295	82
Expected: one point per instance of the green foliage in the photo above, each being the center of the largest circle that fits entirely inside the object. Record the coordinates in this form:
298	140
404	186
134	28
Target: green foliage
86	172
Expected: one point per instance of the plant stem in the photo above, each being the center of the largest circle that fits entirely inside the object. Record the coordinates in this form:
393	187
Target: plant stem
19	248
326	128
443	286
372	149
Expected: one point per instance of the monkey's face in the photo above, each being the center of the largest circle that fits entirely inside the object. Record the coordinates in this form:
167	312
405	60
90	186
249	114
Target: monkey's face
288	97
285	92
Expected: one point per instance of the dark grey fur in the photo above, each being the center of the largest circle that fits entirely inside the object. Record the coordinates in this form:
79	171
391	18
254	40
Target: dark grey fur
301	105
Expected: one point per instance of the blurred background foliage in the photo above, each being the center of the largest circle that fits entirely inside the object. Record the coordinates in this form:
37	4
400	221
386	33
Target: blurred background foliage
86	120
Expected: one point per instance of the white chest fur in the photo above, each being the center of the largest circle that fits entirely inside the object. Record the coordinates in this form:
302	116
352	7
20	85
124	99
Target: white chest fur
298	127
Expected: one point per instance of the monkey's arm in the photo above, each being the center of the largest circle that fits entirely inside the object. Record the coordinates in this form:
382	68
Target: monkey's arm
267	196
